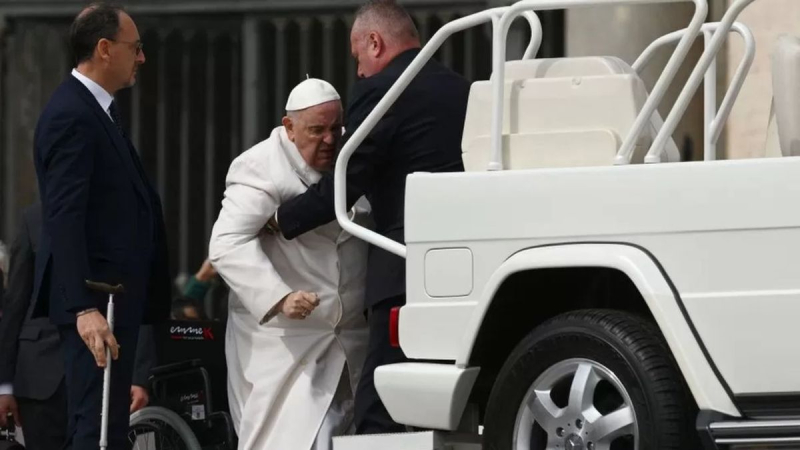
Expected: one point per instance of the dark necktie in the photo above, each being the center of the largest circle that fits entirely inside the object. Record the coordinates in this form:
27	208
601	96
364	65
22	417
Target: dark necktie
134	156
116	118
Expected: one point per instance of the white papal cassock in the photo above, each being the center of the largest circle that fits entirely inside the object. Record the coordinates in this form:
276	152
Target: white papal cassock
288	380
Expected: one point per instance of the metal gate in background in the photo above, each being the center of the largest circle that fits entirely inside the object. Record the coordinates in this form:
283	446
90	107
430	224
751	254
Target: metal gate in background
212	86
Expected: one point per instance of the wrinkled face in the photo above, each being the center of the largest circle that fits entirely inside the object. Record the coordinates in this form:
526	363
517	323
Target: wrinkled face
316	131
366	48
125	53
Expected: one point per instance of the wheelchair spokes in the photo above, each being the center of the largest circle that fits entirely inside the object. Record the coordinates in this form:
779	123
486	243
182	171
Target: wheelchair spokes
155	435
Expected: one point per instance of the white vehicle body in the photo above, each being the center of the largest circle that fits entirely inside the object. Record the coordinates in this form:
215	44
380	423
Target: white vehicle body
708	250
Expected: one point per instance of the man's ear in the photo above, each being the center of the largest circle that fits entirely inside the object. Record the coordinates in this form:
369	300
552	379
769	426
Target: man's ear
375	44
103	49
289	125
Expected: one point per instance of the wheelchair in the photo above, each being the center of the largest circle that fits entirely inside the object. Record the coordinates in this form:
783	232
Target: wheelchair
8	435
188	401
182	415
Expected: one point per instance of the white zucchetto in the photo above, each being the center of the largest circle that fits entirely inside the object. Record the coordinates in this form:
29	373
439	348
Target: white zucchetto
311	92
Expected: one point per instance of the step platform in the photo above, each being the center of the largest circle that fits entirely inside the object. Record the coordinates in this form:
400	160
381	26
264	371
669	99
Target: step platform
752	434
425	440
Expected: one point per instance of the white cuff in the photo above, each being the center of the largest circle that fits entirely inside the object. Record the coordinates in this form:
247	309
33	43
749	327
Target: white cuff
6	389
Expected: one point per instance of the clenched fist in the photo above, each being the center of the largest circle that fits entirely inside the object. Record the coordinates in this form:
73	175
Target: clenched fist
93	329
299	304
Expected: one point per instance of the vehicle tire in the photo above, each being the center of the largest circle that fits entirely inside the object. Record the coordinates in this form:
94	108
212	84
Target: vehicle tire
157	427
591	380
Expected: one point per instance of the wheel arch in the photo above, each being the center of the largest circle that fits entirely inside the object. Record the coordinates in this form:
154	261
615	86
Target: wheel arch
659	299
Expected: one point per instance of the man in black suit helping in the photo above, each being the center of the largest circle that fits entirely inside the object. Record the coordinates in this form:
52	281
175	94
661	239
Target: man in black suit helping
420	133
36	398
101	221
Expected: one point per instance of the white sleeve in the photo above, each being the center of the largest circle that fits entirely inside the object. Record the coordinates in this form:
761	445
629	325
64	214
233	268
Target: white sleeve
6	389
235	250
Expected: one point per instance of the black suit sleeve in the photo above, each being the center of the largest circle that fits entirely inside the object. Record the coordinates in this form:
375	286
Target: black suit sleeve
68	158
315	207
16	301
159	299
145	356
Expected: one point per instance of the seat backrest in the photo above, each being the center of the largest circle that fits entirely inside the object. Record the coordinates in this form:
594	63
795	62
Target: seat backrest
786	96
565	112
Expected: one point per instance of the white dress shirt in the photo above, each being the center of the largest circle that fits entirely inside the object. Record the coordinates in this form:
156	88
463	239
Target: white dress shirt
101	95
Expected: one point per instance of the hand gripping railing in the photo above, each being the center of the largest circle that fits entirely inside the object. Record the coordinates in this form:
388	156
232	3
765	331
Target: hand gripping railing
659	90
708	57
714	121
340	172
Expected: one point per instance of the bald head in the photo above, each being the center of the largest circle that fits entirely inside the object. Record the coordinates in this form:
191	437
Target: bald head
389	19
382	29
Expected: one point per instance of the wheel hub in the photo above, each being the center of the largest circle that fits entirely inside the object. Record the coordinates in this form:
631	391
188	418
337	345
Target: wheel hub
574	442
580	420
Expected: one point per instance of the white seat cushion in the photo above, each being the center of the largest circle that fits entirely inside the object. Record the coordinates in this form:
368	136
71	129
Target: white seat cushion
566	67
565	112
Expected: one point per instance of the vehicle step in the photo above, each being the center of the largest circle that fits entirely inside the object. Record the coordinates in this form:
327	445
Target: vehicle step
756	432
425	440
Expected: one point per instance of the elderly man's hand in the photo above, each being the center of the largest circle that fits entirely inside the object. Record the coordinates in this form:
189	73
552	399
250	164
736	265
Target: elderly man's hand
93	329
139	398
299	304
271	228
8	405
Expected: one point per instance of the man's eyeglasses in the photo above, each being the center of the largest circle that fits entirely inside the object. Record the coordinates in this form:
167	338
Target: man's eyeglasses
137	45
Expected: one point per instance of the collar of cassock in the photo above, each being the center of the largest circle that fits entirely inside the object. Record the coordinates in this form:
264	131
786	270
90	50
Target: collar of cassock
307	174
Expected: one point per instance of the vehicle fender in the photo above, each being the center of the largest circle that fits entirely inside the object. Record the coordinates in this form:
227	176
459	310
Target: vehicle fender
642	268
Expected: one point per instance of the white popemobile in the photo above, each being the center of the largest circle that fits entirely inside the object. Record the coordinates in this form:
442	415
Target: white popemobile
579	287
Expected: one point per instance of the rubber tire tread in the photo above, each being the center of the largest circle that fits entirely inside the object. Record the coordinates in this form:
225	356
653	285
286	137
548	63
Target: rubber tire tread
666	414
172	419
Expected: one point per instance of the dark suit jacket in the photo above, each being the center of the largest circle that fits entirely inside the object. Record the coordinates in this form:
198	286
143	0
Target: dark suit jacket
102	219
420	133
30	348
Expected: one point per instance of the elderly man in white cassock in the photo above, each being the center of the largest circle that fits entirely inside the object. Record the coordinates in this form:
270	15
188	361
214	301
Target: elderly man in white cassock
296	336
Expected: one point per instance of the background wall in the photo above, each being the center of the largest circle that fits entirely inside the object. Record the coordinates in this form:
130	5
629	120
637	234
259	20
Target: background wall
747	129
215	82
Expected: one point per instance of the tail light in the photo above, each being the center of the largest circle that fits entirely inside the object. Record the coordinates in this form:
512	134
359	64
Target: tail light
394	327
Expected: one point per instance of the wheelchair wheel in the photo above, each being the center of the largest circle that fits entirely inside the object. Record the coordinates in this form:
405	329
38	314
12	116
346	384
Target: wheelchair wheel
157	428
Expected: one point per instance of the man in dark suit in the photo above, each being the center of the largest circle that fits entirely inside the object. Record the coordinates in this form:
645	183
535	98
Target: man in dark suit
101	221
420	133
36	397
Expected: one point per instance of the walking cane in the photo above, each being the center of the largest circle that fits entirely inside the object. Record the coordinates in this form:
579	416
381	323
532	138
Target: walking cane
111	291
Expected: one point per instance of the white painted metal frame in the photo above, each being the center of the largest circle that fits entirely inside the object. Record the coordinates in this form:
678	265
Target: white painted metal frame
659	90
340	172
499	48
714	120
709	56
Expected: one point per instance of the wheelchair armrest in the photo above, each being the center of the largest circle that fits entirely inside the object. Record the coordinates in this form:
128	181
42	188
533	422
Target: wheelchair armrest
176	367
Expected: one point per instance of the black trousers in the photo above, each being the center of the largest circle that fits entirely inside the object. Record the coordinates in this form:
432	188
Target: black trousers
45	421
84	382
371	416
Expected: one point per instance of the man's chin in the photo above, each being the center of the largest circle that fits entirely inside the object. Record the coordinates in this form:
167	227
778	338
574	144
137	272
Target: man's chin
132	80
325	164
